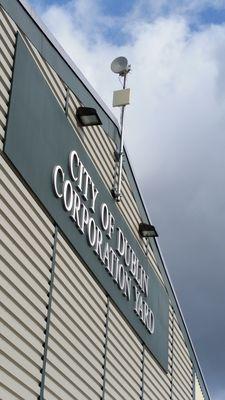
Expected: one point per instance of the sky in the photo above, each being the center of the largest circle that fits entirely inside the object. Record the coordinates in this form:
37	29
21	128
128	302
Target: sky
174	134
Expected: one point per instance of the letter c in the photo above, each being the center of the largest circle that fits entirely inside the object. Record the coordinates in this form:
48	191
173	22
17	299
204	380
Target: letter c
73	159
56	171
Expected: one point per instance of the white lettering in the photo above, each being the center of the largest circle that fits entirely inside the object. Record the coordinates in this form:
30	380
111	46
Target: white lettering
67	195
55	174
73	160
91	232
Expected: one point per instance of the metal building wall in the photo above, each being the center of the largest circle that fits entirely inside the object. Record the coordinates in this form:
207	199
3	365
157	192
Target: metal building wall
55	341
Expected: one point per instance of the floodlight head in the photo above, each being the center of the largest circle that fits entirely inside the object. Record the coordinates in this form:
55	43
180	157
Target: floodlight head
120	66
147	230
88	116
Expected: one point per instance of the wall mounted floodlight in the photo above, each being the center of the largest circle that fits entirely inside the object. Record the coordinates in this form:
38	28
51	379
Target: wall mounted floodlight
88	116
147	230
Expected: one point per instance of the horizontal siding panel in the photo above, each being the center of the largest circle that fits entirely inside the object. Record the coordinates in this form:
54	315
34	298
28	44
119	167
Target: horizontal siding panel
6	70
116	378
9	180
6	393
74	307
116	358
19	342
73	370
123	358
119	323
114	390
25	259
68	277
17	386
77	330
78	352
8	22
64	388
7	42
12	353
76	270
198	391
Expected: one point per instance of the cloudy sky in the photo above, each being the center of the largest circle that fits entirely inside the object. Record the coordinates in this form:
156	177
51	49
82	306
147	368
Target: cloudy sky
175	135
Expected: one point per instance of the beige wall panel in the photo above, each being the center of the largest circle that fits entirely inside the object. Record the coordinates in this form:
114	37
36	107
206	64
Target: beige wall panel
157	383
160	378
7	41
77	341
89	363
121	347
24	284
198	390
7	20
20	343
20	374
4	92
75	268
181	366
116	358
20	307
126	344
123	328
13	353
9	179
23	217
22	240
75	321
19	324
77	329
25	259
123	358
71	369
5	69
114	390
2	117
62	386
23	264
180	388
19	220
74	307
17	387
6	55
116	379
6	393
7	29
154	392
79	295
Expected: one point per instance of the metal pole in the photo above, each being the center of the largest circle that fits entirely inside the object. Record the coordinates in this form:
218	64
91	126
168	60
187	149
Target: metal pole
118	192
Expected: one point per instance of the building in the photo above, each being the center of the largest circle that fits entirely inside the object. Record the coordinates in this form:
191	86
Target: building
88	310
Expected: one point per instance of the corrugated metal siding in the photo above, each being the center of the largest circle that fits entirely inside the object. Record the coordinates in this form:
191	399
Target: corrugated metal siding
198	390
77	329
25	259
157	384
123	360
181	367
7	50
